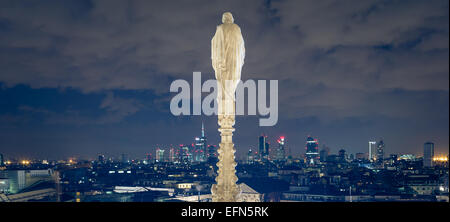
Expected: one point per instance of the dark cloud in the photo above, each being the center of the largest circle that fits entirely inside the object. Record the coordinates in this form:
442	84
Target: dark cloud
348	64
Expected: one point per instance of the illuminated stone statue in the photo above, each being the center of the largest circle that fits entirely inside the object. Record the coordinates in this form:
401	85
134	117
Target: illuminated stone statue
227	54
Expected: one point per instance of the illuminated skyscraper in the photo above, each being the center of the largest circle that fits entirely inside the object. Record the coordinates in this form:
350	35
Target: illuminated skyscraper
159	157
172	155
250	157
428	154
380	152
212	151
200	147
312	151
185	154
281	154
263	148
212	154
372	150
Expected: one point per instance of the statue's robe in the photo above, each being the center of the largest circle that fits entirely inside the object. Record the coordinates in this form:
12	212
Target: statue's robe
227	54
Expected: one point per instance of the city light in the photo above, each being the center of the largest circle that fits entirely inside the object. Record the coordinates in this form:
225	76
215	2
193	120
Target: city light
440	159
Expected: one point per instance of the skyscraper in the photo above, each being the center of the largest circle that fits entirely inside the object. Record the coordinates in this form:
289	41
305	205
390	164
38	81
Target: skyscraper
172	155
342	155
324	152
2	161
263	147
148	158
212	154
200	147
380	152
428	154
159	157
250	157
372	150
124	158
281	154
312	151
185	154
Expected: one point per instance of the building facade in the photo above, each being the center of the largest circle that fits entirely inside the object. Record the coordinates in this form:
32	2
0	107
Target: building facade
428	154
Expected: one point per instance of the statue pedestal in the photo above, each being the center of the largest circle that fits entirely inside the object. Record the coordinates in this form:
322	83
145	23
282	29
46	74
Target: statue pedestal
226	189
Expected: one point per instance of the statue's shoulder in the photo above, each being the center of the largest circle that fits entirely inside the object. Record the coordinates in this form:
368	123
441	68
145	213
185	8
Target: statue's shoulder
219	28
237	28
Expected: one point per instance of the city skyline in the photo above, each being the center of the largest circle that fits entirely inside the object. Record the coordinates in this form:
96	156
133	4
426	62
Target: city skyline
82	78
298	152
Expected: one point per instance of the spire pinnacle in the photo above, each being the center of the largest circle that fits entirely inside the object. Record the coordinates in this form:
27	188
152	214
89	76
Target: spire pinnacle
203	130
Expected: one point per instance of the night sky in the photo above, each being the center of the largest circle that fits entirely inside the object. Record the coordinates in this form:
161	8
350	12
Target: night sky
79	78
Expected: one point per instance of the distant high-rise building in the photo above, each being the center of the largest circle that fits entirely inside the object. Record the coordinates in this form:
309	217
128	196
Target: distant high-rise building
393	159
250	157
185	154
372	150
101	158
200	149
281	153
212	154
124	158
380	152
324	152
263	147
159	157
342	155
428	154
172	155
212	151
312	151
197	150
148	158
2	161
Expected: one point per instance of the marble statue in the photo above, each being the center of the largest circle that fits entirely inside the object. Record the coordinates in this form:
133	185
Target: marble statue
227	54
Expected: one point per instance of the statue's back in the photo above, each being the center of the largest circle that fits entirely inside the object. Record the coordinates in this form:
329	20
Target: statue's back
228	52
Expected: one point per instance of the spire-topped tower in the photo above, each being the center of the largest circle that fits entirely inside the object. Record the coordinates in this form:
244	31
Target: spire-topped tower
200	147
203	130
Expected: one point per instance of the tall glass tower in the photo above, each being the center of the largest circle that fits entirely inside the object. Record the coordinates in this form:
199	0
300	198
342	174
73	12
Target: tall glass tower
312	151
380	152
250	157
263	147
281	155
428	154
159	157
372	150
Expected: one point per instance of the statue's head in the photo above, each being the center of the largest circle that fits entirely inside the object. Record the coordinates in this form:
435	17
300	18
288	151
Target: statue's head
227	17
